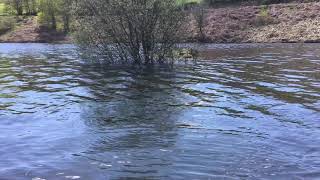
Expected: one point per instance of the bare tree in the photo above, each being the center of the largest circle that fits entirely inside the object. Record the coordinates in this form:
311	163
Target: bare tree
142	31
65	13
200	18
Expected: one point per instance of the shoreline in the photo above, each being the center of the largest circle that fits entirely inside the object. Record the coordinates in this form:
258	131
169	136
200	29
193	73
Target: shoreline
275	23
186	43
189	42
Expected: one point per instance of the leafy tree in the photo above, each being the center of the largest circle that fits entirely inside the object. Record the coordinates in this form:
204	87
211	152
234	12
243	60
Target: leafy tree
30	7
48	10
65	12
52	11
17	5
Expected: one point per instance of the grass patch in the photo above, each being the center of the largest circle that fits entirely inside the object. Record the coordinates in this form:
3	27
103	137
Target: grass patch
7	23
2	8
182	2
263	18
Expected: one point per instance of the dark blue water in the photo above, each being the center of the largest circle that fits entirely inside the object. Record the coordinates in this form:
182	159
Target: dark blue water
240	112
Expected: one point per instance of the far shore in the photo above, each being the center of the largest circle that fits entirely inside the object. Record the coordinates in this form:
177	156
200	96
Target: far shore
277	23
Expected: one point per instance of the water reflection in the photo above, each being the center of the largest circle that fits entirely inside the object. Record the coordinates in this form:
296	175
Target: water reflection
241	111
124	99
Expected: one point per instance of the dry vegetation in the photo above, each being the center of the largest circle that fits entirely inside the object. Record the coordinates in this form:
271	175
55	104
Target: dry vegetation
139	31
293	22
287	22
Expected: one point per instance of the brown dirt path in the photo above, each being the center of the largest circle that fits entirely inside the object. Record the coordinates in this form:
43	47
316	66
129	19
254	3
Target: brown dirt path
29	31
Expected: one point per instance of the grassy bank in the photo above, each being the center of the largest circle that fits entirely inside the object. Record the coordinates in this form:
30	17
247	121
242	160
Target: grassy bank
7	23
181	2
27	30
290	22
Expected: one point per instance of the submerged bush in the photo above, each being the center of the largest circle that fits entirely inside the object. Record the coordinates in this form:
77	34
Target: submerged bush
141	31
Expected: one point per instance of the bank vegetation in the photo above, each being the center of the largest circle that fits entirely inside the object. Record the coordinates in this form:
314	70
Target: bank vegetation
146	30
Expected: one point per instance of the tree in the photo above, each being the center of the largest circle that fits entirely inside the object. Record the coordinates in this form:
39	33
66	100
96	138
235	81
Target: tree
17	5
30	7
200	18
142	31
48	9
27	7
54	12
65	8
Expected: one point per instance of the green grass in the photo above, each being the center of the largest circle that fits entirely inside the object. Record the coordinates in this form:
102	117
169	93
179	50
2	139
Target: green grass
7	23
180	2
2	8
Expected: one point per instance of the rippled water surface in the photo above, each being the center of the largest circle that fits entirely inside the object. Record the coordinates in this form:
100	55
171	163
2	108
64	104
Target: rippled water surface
239	112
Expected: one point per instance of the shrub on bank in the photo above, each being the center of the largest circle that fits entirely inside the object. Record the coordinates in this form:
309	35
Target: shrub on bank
263	18
6	24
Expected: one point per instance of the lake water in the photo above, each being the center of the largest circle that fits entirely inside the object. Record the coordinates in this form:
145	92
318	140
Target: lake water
249	111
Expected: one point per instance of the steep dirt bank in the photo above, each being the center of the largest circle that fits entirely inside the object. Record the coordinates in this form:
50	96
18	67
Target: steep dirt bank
294	22
29	31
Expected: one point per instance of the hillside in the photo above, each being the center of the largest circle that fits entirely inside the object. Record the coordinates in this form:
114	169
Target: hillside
293	22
